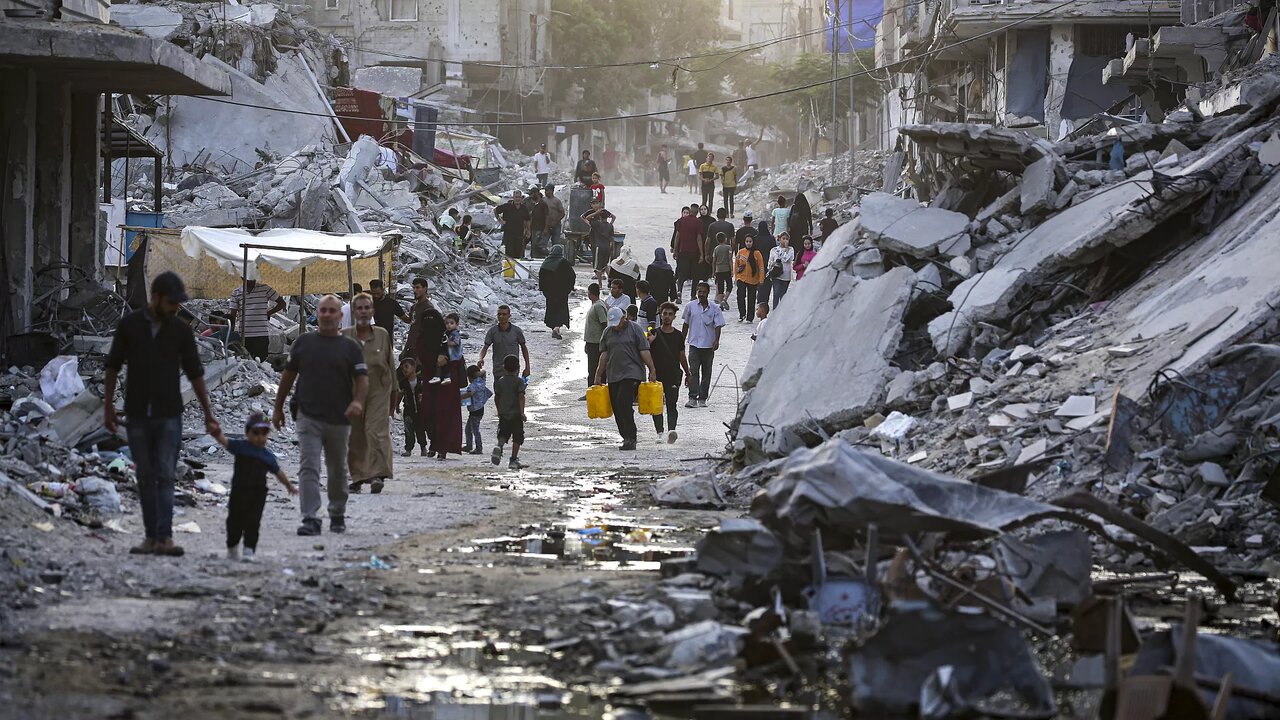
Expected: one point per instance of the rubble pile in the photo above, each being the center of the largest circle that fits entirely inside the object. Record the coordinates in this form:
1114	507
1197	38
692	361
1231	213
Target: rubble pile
863	173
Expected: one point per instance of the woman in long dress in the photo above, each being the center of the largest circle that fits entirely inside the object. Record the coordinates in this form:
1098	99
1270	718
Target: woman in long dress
369	449
555	280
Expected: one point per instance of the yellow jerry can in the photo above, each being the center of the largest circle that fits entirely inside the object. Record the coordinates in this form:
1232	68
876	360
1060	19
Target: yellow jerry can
598	403
651	398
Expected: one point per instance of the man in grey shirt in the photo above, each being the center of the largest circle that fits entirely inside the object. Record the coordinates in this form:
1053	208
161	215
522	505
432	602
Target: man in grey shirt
624	356
506	339
333	382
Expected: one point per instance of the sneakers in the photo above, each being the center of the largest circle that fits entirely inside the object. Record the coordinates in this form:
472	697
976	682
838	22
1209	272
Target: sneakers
354	487
514	464
628	445
167	547
147	547
248	555
446	381
309	527
337	524
467	450
671	437
375	487
424	452
233	553
496	456
406	453
702	403
477	451
691	404
434	381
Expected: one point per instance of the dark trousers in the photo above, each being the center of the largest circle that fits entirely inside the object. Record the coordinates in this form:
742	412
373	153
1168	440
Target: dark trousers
779	289
746	300
473	429
257	347
670	399
154	444
244	512
622	393
413	431
709	194
513	246
727	194
766	287
593	362
686	269
700	360
724	282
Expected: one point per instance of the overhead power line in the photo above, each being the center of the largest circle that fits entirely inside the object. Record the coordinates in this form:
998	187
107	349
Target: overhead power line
703	106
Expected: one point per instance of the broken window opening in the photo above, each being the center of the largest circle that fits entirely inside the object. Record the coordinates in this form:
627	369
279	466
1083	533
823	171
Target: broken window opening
403	10
330	4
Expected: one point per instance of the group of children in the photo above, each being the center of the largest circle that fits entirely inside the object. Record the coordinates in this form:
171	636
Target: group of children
460	225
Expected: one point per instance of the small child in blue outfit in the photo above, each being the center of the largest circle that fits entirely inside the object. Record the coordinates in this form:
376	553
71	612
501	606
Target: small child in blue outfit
452	349
249	484
474	398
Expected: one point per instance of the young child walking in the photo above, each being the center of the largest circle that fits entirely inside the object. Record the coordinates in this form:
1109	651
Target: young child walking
249	485
508	398
474	398
410	392
722	264
452	349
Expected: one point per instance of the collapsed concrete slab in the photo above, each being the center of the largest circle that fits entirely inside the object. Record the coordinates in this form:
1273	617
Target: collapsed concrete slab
905	226
831	302
981	297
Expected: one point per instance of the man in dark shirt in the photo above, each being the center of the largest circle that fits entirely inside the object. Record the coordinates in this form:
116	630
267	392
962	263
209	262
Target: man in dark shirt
746	230
514	217
686	243
386	308
585	168
157	346
700	155
667	349
721	225
624	357
828	224
538	211
332	389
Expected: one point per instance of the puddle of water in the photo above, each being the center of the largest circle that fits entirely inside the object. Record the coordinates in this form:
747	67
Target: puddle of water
605	543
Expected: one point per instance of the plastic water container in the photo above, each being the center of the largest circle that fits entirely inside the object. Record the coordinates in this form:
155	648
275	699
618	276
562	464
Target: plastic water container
598	403
651	398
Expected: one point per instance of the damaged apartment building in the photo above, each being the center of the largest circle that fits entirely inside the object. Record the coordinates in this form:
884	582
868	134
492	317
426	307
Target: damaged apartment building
1032	64
59	60
398	48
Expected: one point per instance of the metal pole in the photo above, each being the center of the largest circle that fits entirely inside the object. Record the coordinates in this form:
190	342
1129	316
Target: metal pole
108	121
351	287
302	303
159	182
835	16
244	291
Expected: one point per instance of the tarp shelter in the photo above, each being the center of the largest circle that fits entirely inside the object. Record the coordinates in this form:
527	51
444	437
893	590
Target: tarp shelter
209	260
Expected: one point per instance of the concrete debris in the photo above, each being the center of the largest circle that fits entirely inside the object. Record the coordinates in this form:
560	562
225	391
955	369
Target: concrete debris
904	226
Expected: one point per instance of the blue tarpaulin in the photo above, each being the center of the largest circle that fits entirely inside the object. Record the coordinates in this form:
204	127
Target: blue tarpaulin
855	24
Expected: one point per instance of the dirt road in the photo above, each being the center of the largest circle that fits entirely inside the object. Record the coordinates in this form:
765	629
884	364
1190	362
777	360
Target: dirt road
431	598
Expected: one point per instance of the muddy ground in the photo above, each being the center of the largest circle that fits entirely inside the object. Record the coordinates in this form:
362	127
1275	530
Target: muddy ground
448	589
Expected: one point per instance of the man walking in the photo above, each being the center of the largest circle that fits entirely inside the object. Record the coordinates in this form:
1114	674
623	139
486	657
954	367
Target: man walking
260	302
514	217
538	212
583	171
593	330
728	184
686	245
555	218
386	308
663	164
700	155
708	172
542	164
624	357
506	339
746	230
333	381
703	322
157	347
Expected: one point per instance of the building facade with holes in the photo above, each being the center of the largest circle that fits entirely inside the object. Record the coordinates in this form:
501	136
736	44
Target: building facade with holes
1019	63
57	62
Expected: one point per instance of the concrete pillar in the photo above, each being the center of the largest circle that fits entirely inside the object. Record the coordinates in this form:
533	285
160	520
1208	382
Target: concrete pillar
86	132
1062	46
17	130
53	172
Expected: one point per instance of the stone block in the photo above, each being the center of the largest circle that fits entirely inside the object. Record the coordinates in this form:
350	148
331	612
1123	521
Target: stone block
903	225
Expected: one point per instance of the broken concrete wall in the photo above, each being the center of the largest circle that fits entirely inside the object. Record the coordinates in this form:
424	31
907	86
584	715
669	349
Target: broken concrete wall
829	303
213	133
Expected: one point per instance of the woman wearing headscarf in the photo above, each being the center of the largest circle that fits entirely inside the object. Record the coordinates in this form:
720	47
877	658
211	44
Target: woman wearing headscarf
800	223
369	449
555	280
748	270
661	278
626	269
781	268
765	244
804	256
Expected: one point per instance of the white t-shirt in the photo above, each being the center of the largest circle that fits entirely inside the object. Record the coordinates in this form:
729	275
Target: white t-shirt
786	256
541	163
346	316
753	158
622	302
693	168
448	222
759	329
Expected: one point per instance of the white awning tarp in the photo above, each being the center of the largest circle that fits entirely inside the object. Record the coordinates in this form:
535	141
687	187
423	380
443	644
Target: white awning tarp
210	260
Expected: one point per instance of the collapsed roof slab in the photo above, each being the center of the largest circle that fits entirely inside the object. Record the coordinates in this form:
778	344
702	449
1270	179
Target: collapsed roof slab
1109	219
982	145
905	226
846	326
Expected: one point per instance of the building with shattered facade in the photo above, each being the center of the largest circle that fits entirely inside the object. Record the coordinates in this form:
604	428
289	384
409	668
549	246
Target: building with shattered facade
1024	64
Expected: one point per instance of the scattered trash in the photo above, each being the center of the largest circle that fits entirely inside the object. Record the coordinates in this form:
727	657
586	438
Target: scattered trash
187	527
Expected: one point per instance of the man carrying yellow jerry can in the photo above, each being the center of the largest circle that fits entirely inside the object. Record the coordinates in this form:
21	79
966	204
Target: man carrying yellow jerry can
624	357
